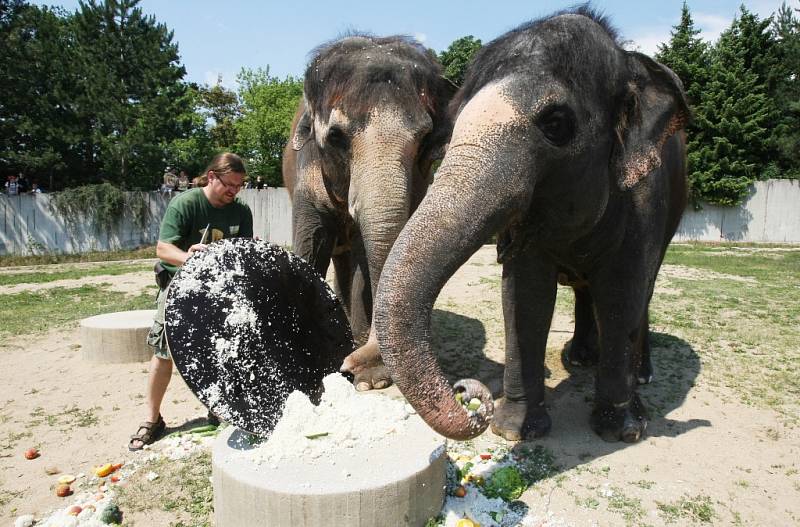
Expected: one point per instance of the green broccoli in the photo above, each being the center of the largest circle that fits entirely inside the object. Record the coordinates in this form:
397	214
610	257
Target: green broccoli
506	483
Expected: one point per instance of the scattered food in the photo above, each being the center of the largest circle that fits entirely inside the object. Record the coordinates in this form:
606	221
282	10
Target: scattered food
111	514
31	453
104	470
151	476
51	470
62	491
66	479
74	510
460	492
25	520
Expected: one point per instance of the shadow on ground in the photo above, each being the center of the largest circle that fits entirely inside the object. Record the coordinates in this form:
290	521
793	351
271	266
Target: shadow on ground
569	403
459	343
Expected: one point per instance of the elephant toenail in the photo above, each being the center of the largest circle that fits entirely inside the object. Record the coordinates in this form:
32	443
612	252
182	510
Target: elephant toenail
379	385
363	386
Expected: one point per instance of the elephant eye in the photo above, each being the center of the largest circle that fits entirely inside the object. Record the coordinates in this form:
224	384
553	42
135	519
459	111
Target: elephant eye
336	138
557	125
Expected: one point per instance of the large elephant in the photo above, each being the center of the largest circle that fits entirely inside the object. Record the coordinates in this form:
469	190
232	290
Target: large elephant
372	120
572	149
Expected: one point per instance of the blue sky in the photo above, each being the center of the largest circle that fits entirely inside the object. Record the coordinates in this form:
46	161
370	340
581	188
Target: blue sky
219	38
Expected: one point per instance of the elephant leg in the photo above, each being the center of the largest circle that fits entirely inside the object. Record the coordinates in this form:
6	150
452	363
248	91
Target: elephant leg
618	412
529	293
343	281
365	363
582	350
645	367
313	235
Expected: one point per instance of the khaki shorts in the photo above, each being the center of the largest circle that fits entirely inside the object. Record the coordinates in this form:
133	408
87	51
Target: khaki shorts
157	338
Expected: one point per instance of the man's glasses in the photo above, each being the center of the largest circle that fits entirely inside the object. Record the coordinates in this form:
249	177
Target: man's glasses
230	186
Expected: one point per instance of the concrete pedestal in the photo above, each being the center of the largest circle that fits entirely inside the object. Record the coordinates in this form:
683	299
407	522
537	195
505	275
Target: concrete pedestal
117	337
398	482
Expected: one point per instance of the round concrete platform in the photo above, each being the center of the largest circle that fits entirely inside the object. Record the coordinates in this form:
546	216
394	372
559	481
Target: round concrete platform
400	481
117	337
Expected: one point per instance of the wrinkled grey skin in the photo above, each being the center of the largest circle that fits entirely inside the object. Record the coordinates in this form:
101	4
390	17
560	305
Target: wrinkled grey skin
373	119
572	150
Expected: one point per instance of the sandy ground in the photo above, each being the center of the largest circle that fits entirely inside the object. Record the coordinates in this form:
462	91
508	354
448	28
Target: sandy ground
698	445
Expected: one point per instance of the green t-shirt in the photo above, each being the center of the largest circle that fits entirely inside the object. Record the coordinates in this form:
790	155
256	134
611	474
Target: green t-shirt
189	213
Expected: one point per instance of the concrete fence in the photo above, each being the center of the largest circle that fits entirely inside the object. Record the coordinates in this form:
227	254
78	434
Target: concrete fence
771	214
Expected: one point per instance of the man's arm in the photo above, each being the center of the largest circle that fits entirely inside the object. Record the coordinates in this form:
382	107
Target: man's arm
172	254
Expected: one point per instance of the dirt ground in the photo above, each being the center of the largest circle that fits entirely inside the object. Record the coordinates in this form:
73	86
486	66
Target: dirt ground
705	457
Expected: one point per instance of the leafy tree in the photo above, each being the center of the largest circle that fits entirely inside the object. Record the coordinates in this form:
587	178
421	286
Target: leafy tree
192	151
457	57
730	147
268	106
786	92
128	92
222	107
37	126
687	55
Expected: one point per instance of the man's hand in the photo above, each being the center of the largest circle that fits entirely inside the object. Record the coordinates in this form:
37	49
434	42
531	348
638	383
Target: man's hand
197	247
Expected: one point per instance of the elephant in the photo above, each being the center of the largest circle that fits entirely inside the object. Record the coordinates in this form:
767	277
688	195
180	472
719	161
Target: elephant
572	150
372	121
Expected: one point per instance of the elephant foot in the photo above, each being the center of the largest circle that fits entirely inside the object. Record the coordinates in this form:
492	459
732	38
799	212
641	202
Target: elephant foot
515	421
367	368
626	422
580	353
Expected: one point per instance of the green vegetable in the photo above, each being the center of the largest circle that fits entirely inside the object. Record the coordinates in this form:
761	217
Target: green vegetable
506	483
460	397
111	514
462	473
474	404
316	435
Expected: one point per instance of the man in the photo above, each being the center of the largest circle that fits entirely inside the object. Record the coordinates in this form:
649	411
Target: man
192	220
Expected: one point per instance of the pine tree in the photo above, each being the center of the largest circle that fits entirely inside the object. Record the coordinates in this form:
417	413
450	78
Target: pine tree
731	119
687	55
785	140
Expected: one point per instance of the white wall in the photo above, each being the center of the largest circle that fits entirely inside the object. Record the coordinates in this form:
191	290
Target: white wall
770	214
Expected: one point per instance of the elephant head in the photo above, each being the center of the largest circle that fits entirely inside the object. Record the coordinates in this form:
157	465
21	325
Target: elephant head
553	120
372	121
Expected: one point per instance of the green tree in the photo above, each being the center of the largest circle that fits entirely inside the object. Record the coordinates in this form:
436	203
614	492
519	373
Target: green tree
687	55
129	91
37	126
221	106
268	106
785	95
457	57
730	147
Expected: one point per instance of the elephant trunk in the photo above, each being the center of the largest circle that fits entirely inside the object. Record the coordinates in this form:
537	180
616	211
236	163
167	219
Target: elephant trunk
473	196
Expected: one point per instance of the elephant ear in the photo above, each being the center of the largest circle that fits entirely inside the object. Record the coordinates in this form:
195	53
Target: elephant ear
654	109
304	128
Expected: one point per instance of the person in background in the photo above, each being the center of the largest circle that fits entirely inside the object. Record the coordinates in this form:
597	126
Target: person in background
192	220
12	185
260	183
183	181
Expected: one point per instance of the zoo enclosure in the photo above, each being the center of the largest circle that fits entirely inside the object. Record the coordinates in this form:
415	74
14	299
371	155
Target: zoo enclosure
770	214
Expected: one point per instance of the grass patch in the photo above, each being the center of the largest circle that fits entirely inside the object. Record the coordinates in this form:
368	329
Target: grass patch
39	311
698	508
67	418
741	314
630	508
65	274
94	256
182	487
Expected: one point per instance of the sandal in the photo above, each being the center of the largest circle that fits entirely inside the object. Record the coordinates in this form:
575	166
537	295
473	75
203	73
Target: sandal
147	434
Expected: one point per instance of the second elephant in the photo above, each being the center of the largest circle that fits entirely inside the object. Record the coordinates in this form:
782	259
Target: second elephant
372	121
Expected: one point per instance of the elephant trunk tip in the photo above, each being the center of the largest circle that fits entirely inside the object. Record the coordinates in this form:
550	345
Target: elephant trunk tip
476	401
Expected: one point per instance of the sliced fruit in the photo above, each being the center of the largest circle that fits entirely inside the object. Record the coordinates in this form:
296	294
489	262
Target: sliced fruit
66	479
474	404
486	456
460	492
31	453
74	510
466	522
